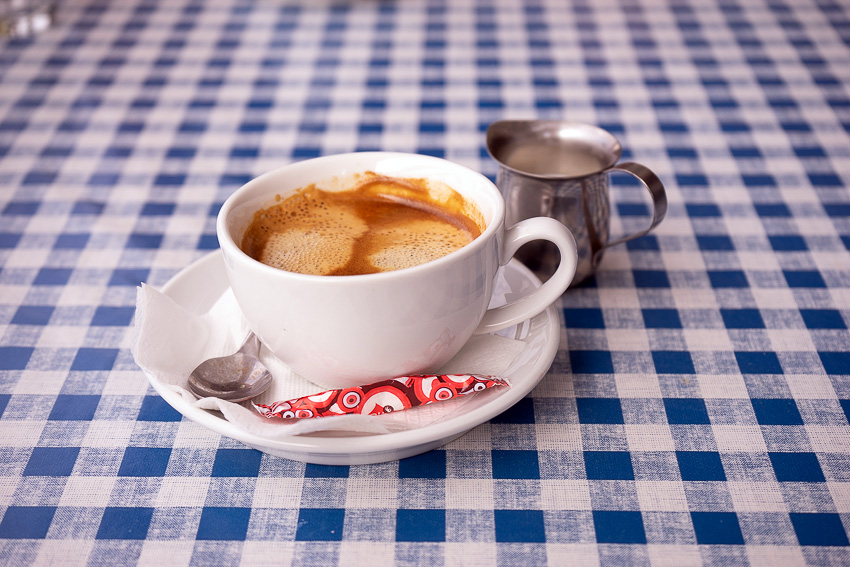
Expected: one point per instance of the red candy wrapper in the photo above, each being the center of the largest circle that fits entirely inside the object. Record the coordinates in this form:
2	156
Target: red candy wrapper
381	397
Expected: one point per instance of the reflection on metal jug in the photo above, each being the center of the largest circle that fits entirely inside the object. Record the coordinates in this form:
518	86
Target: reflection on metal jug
560	169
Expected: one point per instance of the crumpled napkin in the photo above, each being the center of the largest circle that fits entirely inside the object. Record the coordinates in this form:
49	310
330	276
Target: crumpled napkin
170	341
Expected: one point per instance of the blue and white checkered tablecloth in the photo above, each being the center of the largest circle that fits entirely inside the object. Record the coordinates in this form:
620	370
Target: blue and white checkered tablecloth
697	411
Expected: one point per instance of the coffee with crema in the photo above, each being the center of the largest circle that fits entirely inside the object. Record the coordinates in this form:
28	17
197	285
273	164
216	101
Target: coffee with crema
377	224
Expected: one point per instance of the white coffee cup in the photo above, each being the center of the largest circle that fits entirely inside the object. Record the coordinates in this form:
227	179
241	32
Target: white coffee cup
345	331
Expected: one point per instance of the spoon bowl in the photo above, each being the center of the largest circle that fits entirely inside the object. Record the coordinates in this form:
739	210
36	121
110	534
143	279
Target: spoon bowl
236	378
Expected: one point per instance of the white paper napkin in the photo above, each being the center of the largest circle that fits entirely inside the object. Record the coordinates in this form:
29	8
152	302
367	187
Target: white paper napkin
171	341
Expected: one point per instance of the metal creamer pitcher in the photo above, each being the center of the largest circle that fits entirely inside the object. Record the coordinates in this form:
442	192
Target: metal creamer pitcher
560	169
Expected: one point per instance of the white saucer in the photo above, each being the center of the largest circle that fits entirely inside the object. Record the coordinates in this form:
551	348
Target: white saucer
199	285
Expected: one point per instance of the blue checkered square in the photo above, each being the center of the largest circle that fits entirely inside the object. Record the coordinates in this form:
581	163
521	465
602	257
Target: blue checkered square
87	207
699	210
515	464
742	318
700	466
651	279
520	526
208	242
71	241
686	411
804	279
26	522
106	316
647	242
758	363
160	209
608	465
673	362
776	412
819	529
420	525
39	178
835	362
15	358
33	315
74	407
52	276
312	470
177	180
715	242
318	524
661	319
144	241
125	523
591	362
94	359
796	467
772	209
21	208
154	408
787	243
619	527
51	461
144	461
599	410
129	276
727	279
427	465
825	180
236	462
9	240
721	528
224	524
823	319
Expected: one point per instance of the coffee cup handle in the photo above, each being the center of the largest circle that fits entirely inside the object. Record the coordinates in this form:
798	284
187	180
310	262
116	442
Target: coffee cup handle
538	228
656	192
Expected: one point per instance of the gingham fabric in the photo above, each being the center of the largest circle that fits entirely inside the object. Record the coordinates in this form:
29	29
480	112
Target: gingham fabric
697	411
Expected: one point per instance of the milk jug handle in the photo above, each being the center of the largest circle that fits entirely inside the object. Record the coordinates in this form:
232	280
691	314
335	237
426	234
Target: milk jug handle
656	192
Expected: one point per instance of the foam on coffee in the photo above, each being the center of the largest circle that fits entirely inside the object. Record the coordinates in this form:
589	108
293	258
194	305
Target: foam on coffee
415	243
380	224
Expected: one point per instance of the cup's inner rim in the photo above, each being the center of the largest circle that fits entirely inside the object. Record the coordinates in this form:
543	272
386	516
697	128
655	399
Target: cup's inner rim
505	136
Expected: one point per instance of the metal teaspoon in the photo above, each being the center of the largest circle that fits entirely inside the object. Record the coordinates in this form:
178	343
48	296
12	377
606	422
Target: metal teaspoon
235	378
